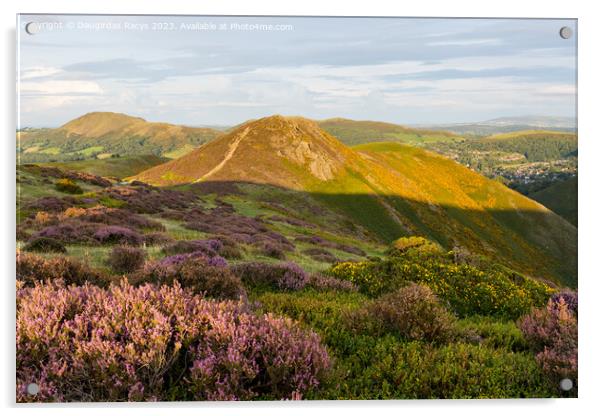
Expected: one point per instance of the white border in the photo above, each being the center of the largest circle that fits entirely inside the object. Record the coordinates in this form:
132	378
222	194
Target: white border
590	154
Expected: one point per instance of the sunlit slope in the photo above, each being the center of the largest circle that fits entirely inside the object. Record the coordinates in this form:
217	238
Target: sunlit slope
389	189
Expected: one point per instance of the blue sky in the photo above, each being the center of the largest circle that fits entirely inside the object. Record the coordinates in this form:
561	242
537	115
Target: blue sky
184	70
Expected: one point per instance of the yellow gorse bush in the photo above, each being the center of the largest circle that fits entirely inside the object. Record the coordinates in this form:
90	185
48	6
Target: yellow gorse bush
468	290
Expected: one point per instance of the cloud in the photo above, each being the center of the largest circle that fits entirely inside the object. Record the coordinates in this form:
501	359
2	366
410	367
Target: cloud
59	87
466	42
39	72
413	70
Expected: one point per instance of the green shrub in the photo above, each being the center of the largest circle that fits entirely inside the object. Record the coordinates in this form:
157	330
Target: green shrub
68	186
468	290
385	367
414	312
45	245
492	333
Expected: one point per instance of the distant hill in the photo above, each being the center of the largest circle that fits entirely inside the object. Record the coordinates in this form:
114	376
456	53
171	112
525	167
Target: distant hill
560	197
542	122
352	132
105	134
509	124
388	189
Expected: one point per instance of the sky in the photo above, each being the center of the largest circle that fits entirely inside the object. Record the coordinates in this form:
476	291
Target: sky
208	70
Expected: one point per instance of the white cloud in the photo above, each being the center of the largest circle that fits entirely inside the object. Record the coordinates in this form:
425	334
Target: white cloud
466	42
60	87
39	72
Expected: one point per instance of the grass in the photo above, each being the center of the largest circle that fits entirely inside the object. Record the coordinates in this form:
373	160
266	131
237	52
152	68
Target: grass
174	154
176	230
120	167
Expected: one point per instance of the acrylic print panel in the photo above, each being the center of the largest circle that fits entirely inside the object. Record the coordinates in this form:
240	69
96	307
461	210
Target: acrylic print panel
266	208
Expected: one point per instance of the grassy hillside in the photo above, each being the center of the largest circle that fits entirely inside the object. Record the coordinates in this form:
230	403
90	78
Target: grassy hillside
352	132
388	189
119	167
560	197
102	135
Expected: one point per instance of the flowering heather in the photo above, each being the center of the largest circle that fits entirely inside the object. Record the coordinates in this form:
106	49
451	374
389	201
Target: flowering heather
113	234
146	199
210	247
32	269
71	232
295	361
177	259
51	204
414	312
112	216
196	271
283	276
321	282
53	172
157	343
570	299
552	334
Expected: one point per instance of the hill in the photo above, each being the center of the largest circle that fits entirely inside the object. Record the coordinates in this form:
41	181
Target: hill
352	132
105	134
560	197
387	189
541	122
